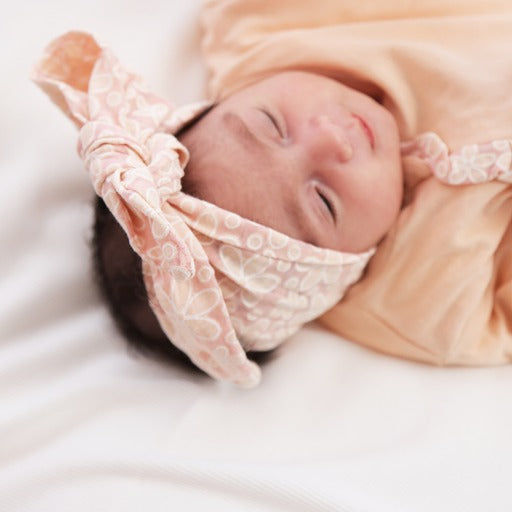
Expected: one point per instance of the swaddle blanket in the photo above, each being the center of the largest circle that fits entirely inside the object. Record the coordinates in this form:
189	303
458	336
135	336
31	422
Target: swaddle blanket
217	283
439	288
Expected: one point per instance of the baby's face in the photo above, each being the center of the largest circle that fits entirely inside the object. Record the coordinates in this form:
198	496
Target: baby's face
302	154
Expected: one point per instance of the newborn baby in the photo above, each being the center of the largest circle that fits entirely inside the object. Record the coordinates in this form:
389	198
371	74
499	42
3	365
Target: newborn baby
298	152
291	183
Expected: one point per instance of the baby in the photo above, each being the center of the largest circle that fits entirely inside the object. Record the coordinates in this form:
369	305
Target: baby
290	184
298	152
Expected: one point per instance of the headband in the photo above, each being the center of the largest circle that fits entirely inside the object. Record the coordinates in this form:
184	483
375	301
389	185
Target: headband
218	284
469	165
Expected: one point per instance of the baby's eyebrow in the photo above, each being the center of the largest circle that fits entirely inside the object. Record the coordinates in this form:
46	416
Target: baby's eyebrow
240	129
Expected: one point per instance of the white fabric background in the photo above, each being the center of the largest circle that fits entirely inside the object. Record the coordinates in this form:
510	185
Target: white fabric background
87	426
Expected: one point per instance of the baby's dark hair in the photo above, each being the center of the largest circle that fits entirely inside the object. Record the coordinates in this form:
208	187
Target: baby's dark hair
118	274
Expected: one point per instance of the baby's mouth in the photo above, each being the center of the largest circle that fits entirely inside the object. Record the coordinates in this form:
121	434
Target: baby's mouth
366	130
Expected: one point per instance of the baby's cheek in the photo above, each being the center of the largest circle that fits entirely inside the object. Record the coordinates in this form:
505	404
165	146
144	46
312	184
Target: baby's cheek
388	207
378	207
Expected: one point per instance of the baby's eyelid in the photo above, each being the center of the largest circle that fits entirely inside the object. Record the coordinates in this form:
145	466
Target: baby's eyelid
277	125
328	203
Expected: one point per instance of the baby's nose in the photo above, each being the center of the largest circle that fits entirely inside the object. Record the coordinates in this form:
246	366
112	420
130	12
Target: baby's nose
328	139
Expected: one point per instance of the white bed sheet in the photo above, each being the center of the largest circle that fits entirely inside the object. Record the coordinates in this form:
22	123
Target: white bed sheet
86	426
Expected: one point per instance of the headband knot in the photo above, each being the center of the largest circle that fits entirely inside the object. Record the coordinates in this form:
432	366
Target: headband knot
143	177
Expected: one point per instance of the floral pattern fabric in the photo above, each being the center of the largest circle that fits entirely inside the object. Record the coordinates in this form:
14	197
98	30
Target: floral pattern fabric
472	164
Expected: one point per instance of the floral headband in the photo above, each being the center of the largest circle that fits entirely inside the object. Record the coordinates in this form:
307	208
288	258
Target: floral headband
219	284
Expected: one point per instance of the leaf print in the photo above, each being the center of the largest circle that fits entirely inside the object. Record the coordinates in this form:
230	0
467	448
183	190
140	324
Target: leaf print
232	261
204	328
255	265
262	284
311	279
202	303
159	228
207	223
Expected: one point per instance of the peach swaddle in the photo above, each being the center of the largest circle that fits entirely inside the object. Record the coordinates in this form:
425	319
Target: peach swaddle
439	288
217	283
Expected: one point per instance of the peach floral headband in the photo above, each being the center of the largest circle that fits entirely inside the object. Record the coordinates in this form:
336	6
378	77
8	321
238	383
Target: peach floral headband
218	283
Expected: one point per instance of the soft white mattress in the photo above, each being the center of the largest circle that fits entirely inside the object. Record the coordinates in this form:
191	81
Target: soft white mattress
87	426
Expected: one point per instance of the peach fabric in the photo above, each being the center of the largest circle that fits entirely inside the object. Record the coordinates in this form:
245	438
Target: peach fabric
217	283
439	288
